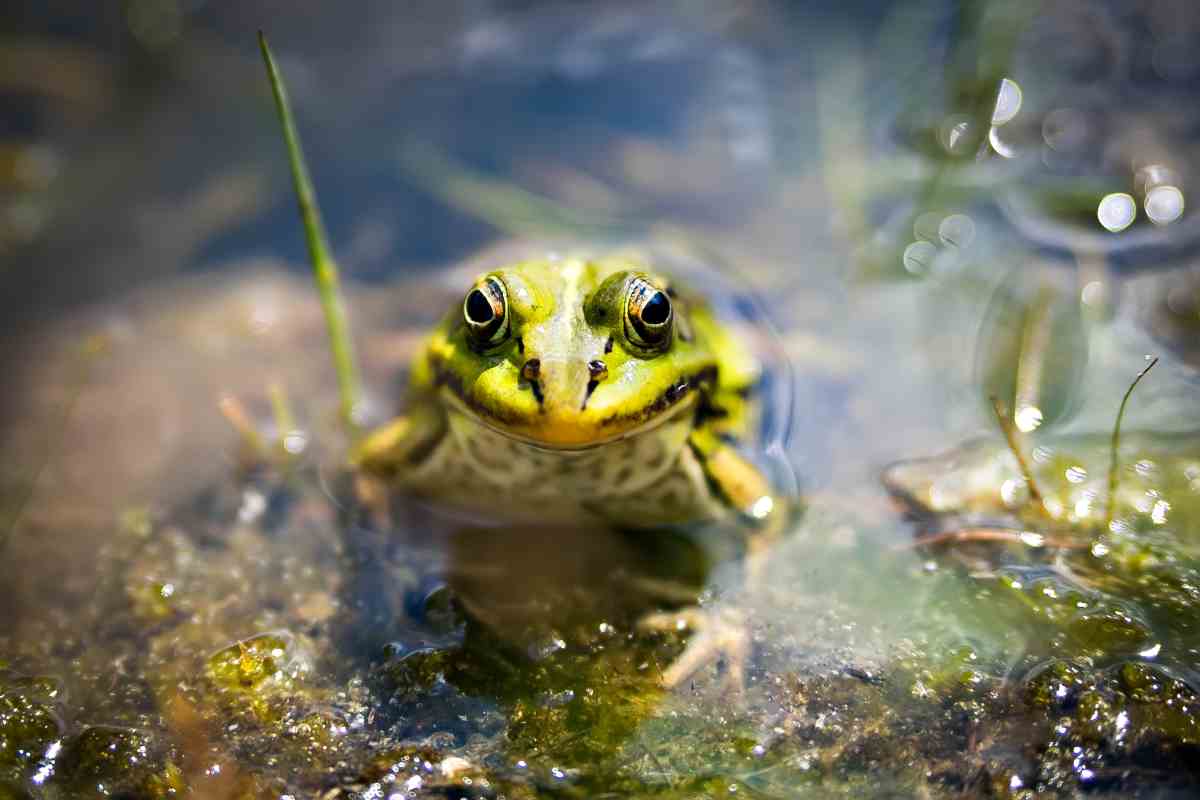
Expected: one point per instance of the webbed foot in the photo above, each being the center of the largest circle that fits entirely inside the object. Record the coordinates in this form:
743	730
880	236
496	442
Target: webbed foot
718	636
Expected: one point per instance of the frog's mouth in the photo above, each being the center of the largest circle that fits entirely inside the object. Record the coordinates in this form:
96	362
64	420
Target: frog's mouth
578	430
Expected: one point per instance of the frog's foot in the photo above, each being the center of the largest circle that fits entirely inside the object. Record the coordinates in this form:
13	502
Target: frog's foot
717	636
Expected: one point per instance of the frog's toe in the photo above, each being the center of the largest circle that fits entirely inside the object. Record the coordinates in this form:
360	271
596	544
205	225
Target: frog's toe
719	637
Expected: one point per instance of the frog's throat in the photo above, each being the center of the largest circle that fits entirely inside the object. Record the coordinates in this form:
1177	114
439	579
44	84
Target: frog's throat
575	433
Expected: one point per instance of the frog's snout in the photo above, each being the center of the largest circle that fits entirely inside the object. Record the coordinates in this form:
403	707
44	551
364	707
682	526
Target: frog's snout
563	386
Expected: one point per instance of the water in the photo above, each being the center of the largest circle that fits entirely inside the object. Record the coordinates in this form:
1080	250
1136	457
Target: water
931	203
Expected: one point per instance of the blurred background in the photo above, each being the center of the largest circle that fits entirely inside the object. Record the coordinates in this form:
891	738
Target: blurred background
870	141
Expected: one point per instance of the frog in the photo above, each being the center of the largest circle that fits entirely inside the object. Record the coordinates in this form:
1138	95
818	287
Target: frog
573	386
587	388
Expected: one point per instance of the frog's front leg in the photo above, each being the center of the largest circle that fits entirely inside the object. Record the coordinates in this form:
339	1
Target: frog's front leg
721	634
742	487
389	450
385	455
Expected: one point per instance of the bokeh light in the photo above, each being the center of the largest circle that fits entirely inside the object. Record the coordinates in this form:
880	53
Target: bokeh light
1116	211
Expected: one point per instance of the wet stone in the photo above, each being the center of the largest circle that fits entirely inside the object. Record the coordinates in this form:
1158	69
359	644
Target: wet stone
1109	629
1055	684
28	726
251	662
104	761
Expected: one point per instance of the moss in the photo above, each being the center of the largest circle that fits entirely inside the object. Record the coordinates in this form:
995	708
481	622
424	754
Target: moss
248	664
29	724
1056	684
107	761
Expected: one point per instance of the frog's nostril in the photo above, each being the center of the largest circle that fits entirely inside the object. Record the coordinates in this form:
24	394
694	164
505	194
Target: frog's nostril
597	371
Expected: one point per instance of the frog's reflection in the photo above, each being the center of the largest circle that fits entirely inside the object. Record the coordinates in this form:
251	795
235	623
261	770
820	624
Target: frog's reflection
521	580
517	588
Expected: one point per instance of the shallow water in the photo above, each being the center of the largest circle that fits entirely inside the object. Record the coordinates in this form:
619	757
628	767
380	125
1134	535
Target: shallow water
908	202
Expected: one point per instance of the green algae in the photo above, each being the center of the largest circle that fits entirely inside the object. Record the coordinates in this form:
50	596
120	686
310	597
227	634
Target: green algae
28	727
106	761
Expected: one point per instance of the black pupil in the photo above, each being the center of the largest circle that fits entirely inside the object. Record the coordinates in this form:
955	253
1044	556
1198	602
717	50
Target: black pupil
656	310
479	310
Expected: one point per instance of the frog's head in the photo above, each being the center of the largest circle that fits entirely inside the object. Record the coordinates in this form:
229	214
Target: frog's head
570	353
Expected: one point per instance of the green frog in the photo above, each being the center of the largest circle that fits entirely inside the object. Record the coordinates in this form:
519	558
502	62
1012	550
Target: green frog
575	389
578	389
585	390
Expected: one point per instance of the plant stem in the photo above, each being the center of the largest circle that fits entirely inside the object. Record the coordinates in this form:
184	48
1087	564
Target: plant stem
1116	443
1010	436
325	271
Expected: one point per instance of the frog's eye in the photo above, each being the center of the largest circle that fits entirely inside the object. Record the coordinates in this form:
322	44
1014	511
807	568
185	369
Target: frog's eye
648	315
485	312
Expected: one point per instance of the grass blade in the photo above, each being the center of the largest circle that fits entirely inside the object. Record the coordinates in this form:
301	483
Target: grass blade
1010	436
1116	443
325	271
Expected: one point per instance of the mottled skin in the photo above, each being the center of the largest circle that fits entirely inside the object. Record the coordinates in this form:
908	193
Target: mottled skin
584	406
605	426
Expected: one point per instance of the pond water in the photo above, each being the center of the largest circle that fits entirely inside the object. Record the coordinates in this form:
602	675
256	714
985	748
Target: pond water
912	209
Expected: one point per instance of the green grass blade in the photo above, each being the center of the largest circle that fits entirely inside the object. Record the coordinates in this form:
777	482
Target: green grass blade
325	271
1115	444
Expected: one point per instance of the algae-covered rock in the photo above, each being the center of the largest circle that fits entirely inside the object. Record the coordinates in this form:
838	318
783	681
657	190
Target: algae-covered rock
29	723
250	663
108	761
263	673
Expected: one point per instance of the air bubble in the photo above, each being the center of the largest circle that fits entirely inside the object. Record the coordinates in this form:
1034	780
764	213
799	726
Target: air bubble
1116	211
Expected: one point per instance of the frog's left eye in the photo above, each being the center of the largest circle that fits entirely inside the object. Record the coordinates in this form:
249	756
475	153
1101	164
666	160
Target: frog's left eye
485	312
648	315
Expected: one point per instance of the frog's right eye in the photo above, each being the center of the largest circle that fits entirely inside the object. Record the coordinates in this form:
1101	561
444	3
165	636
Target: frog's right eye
485	312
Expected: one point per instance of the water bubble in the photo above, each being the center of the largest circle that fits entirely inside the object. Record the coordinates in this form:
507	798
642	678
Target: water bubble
957	230
919	256
1093	293
1076	474
1164	204
1028	418
295	442
1014	492
1116	211
957	135
1008	102
925	226
1002	148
